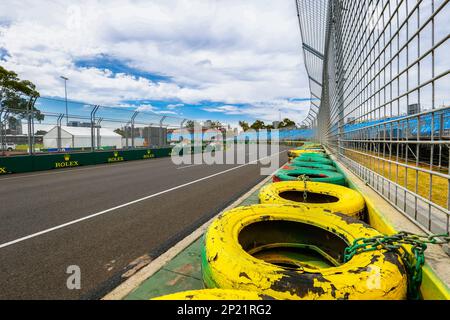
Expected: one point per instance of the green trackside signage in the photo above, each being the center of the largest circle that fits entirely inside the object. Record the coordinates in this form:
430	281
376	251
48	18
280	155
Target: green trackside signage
67	163
116	157
149	155
19	164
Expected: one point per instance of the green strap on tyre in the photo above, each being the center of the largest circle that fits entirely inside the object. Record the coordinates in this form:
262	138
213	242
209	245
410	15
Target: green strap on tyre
312	175
413	263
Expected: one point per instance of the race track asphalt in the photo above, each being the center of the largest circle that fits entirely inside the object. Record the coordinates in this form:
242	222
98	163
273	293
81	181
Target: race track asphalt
105	245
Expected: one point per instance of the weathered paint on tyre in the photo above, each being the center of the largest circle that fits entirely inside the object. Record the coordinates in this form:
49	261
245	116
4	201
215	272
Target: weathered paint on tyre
215	294
368	276
296	152
349	202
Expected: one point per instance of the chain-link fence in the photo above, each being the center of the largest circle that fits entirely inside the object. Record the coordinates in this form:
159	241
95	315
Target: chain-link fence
84	127
384	91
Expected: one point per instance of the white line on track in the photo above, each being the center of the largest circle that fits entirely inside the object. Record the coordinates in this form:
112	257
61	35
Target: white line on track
61	226
190	166
155	265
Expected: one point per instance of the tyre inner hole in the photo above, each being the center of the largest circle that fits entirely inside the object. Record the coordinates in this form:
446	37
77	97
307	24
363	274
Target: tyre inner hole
292	245
312	197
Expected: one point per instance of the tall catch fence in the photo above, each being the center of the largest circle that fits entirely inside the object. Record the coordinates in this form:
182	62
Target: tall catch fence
85	127
380	72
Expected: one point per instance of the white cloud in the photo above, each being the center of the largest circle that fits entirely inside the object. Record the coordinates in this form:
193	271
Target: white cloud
164	112
151	109
146	107
237	52
174	106
230	110
267	111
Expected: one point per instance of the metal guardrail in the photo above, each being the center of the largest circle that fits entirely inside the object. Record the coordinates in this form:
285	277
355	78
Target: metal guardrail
384	68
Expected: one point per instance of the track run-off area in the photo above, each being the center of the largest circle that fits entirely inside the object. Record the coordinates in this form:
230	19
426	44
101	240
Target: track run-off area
109	220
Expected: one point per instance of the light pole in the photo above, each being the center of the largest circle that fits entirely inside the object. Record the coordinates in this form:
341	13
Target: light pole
65	90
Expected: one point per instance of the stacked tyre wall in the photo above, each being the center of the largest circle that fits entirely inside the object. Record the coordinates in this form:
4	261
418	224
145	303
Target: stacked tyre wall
242	247
249	248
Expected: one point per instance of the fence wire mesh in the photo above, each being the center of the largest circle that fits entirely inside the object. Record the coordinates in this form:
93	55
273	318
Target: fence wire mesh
384	92
85	127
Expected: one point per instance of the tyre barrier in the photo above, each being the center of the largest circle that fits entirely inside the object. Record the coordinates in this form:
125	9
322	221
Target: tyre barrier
313	159
330	197
314	175
312	145
297	153
314	155
291	252
319	151
310	165
314	149
215	294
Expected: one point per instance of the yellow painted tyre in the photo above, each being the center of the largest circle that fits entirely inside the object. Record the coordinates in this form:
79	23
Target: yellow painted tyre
314	149
236	243
215	294
321	196
313	145
294	153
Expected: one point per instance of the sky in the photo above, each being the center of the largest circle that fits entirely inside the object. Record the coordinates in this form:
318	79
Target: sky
225	60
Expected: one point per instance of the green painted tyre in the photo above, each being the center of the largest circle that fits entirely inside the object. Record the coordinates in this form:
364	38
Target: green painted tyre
314	175
313	159
314	155
309	165
315	149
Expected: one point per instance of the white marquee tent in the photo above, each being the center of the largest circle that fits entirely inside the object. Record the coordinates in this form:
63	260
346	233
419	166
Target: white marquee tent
80	137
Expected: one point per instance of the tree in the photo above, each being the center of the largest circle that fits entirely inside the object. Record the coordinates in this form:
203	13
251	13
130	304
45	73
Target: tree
41	133
18	96
287	123
258	125
13	123
216	125
244	125
190	124
121	132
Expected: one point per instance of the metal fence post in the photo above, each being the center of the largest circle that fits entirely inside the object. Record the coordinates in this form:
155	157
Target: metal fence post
161	131
32	103
30	152
2	138
133	117
182	126
93	113
59	124
126	134
340	72
148	135
99	136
